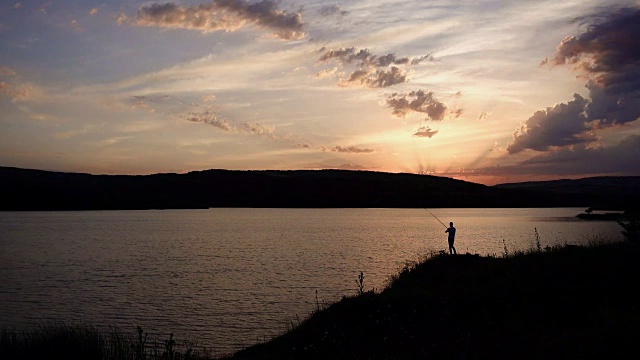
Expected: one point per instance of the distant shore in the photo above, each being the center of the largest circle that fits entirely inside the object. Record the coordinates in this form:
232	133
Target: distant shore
36	190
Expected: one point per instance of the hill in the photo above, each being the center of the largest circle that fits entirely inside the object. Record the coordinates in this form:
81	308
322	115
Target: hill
25	189
604	193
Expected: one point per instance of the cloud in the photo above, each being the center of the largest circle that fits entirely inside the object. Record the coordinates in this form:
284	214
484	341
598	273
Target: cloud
363	57
5	71
331	10
341	167
227	15
373	71
326	73
112	141
266	132
484	115
43	8
258	129
375	78
425	131
351	167
419	102
456	113
351	149
418	60
620	159
208	98
18	93
145	101
608	54
561	125
211	118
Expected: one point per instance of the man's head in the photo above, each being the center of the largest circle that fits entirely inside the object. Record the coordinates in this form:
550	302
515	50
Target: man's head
451	224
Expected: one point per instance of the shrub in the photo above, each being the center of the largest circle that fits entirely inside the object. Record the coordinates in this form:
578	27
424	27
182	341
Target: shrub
631	228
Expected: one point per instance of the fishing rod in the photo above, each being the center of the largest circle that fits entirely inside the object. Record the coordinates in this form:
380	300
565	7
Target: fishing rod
437	218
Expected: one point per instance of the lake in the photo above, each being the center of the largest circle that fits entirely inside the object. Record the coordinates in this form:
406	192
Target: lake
228	278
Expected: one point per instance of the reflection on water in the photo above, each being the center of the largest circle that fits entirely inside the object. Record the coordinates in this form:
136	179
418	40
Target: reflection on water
230	277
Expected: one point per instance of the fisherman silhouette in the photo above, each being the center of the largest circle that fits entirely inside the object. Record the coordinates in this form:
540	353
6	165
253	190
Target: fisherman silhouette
452	237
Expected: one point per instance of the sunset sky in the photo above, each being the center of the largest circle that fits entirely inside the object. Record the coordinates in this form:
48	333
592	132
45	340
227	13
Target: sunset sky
484	91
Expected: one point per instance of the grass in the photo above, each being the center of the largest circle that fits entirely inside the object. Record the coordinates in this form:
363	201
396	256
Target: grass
62	341
569	301
561	302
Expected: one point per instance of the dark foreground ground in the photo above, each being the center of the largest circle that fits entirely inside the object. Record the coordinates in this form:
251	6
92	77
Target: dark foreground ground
571	303
566	303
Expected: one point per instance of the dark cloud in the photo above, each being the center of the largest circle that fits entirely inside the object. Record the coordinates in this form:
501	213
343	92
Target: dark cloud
227	15
609	45
331	10
418	60
608	54
425	131
563	124
419	102
621	159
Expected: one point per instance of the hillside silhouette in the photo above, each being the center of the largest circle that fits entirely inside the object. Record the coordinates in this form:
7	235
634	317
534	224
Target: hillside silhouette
25	189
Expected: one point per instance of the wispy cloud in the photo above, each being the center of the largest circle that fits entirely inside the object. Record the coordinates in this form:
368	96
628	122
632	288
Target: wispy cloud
211	118
349	149
267	132
18	92
208	98
5	71
112	140
332	10
217	15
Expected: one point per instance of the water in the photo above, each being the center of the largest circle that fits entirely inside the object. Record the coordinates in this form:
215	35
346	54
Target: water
229	278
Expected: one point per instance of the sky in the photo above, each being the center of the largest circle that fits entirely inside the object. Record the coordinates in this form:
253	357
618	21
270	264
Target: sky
480	90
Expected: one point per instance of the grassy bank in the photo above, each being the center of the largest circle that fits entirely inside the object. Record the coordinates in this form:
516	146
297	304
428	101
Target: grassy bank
571	302
86	342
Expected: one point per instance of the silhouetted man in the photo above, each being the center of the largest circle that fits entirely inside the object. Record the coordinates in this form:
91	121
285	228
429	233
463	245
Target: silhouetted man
452	237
